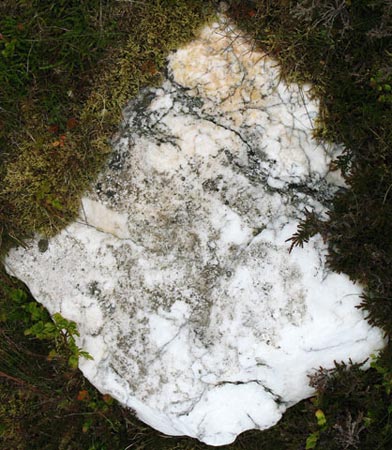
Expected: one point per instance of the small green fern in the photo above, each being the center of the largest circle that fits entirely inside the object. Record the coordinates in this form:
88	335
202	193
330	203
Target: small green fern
307	228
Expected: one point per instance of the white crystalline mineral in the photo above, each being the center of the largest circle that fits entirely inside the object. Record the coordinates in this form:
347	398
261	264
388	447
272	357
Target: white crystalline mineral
178	272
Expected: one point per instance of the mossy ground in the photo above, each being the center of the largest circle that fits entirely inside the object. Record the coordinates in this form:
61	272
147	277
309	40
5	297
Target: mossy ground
66	70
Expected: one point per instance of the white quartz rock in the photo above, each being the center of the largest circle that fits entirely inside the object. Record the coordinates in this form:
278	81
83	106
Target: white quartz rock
178	272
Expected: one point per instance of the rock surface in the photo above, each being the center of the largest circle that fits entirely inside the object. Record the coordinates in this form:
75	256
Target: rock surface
178	272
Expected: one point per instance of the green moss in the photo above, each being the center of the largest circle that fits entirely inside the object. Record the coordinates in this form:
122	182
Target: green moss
157	28
67	69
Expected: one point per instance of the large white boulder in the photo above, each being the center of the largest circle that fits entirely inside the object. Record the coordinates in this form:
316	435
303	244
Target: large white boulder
178	272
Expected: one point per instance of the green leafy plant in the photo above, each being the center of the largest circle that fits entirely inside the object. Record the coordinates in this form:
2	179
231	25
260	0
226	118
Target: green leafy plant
386	374
312	439
60	331
381	82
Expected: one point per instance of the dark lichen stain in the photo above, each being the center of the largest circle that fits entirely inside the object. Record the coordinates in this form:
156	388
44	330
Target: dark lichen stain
43	245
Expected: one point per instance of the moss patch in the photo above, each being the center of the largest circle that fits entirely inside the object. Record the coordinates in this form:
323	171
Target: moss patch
67	69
